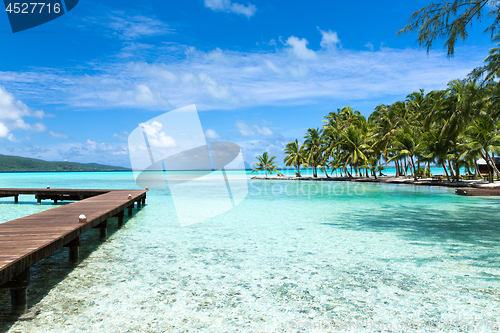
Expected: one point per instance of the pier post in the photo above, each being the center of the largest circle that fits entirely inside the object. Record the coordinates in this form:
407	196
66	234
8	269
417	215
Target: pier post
73	246
103	231
55	201
139	204
144	200
38	200
16	199
19	300
18	291
121	218
130	208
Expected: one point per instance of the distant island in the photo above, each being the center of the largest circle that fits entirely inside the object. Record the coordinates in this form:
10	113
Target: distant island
10	163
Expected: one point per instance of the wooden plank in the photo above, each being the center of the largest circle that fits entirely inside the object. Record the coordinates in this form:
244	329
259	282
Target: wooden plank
25	241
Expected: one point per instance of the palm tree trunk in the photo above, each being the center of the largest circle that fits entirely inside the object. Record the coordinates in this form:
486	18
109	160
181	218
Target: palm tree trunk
326	173
397	168
494	167
425	169
451	169
347	172
410	166
490	169
476	169
405	168
445	171
414	171
298	169
457	170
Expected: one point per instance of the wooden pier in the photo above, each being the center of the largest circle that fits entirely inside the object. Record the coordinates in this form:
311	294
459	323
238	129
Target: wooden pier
25	241
474	192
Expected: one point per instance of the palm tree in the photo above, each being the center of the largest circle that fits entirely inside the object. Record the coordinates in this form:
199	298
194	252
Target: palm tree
407	147
294	153
354	145
483	135
312	146
386	120
464	101
330	140
265	163
436	148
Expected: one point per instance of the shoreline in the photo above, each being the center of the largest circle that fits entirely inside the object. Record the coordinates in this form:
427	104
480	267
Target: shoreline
392	180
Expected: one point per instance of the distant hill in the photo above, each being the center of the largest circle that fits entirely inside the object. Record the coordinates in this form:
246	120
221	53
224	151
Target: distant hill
16	163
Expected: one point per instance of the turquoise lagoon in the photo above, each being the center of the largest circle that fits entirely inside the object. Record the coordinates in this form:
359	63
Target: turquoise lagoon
293	256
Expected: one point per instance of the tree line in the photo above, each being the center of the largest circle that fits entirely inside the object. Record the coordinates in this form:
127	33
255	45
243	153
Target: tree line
452	128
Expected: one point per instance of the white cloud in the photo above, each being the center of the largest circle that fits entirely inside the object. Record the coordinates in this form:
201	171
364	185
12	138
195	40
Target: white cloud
126	27
215	89
12	114
122	136
58	135
133	27
159	71
211	134
38	127
370	46
144	96
224	79
231	7
4	131
329	39
156	137
299	48
247	130
101	148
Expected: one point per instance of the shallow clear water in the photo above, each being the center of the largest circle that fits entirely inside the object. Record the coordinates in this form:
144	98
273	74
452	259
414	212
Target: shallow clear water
291	257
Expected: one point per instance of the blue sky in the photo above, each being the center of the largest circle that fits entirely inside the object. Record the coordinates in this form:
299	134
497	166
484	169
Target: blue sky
259	72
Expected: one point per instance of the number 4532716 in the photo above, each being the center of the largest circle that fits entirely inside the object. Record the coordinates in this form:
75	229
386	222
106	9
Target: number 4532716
33	8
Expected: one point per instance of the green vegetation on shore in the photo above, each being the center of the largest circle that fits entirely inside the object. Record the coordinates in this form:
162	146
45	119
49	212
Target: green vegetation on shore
453	128
16	163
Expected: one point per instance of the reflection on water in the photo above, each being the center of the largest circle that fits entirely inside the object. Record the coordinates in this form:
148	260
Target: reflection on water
281	260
